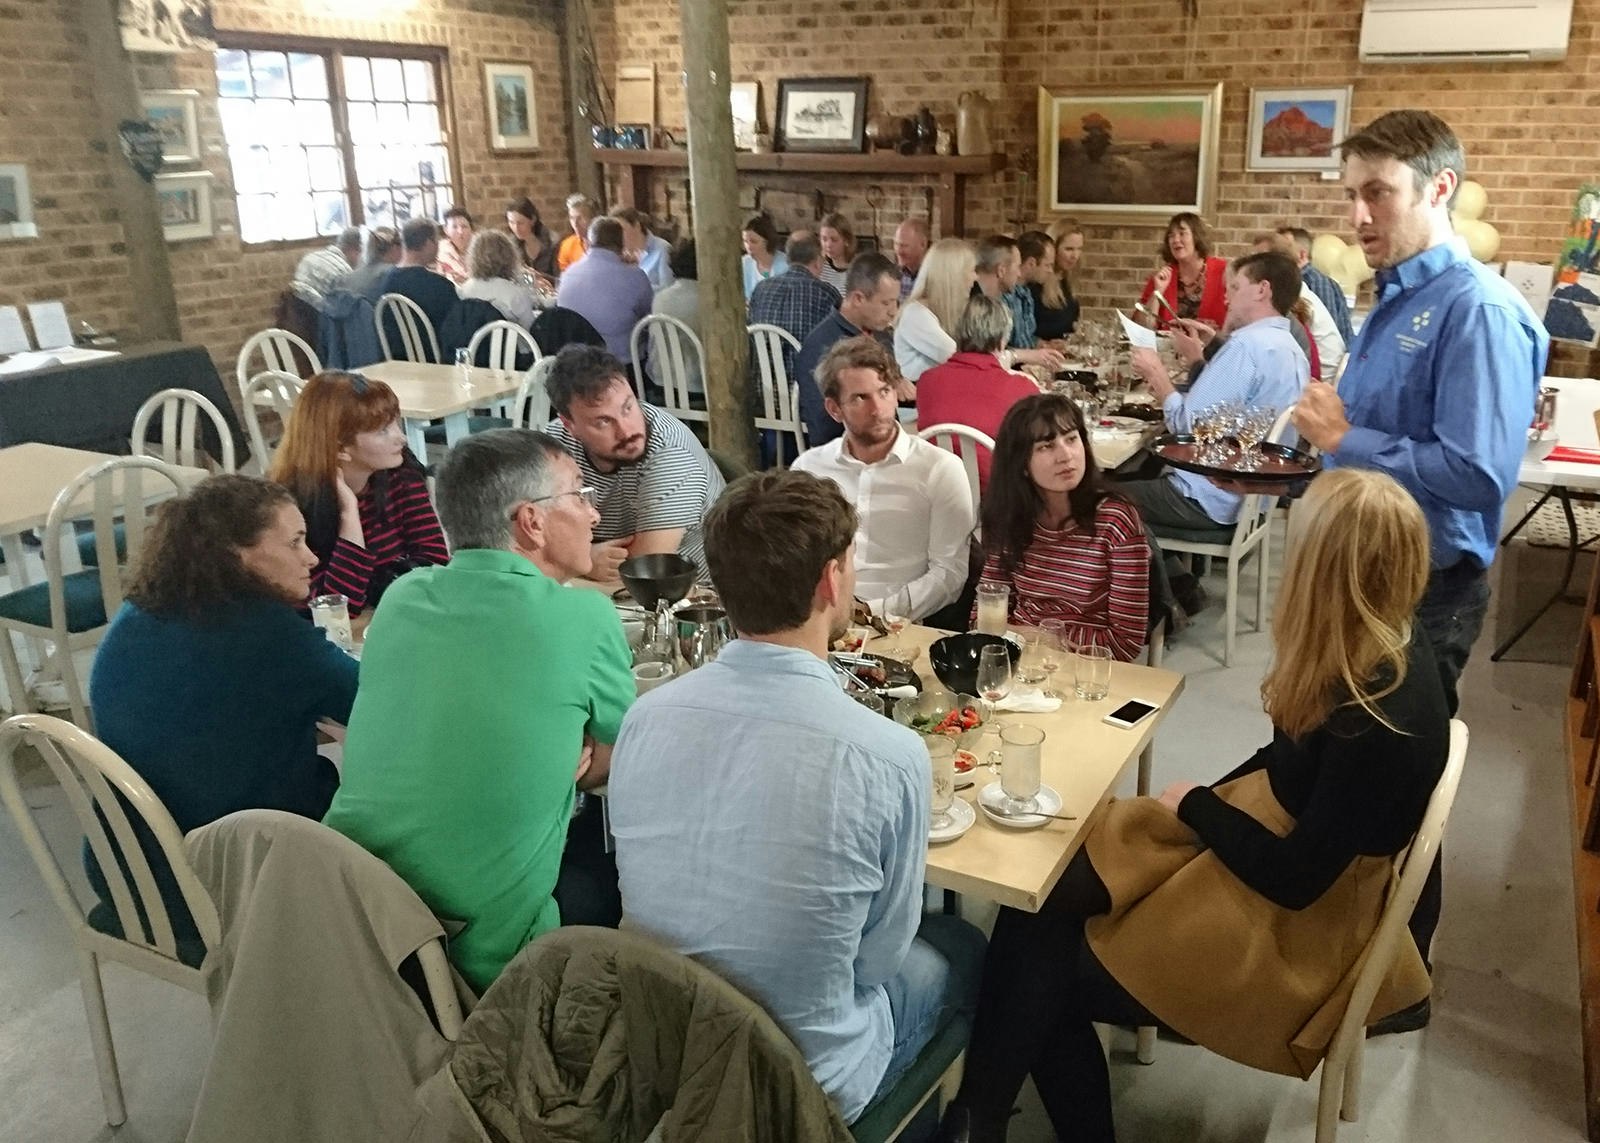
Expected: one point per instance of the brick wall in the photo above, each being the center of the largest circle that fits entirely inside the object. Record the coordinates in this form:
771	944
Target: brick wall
226	291
1527	128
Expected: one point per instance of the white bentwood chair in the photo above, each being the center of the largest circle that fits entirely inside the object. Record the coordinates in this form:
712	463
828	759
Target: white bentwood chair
276	348
273	390
531	407
780	395
180	410
949	436
507	342
673	348
417	337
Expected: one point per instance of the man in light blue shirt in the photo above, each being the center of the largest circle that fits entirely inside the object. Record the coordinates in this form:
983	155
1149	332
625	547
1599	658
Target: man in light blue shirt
1438	394
613	295
774	829
1258	364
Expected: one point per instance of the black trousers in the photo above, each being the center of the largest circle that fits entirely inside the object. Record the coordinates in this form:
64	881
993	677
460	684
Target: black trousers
586	888
1452	612
1042	992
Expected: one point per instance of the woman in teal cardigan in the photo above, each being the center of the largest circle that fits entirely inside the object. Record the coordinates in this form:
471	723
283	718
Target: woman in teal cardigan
210	682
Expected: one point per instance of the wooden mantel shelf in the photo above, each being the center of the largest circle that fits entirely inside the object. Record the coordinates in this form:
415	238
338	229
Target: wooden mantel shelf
952	171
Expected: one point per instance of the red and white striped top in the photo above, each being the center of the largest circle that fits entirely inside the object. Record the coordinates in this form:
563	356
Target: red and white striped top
407	530
1099	584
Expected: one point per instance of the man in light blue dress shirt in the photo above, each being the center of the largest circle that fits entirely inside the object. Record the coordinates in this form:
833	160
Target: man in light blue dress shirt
774	829
1439	390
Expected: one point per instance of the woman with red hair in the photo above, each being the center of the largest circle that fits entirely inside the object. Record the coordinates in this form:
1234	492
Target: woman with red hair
364	496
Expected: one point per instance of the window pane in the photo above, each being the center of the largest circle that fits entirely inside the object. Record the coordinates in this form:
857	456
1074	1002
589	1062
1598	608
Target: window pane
313	121
270	71
295	215
419	79
275	121
289	169
407	202
333	212
435	165
363	119
327	169
424	123
238	118
394	122
357	78
379	207
310	75
372	164
256	219
233	73
387	82
252	169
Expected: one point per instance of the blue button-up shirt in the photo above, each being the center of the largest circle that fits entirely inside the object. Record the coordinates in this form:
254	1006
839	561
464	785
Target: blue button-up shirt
1439	393
775	830
612	294
1024	323
1259	364
1330	294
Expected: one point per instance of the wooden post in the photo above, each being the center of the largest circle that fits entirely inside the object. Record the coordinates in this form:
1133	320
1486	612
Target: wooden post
116	97
578	54
714	184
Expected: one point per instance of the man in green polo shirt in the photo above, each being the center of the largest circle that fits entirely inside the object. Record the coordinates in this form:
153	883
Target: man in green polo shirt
486	686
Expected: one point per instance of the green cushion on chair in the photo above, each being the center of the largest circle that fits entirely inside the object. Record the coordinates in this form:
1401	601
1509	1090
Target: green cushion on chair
434	434
86	607
90	555
884	1113
103	919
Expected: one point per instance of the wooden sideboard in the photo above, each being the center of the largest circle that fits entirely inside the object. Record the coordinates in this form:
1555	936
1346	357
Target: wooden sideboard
951	172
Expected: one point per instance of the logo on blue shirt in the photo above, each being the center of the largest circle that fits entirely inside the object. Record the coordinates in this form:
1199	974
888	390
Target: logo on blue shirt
1419	322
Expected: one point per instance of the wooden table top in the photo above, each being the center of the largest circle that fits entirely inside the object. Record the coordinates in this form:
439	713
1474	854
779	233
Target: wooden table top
1083	760
31	475
428	392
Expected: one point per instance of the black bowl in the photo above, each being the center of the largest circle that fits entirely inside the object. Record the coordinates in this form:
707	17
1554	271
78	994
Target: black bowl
663	576
955	658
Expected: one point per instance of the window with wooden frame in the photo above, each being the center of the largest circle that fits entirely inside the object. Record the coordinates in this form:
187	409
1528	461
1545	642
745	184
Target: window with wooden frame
323	135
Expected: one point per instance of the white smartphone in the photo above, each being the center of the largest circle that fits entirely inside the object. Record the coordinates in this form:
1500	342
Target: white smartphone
1130	713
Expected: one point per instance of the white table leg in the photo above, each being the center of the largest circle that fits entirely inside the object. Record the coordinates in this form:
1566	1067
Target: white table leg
16	565
414	439
455	429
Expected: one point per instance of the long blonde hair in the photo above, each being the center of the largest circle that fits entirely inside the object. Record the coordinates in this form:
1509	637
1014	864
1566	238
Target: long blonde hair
1358	564
945	281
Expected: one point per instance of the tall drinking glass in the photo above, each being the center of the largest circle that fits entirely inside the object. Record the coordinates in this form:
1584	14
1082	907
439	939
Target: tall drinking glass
1030	667
1020	748
1052	647
942	760
332	614
464	368
1093	672
994	678
994	603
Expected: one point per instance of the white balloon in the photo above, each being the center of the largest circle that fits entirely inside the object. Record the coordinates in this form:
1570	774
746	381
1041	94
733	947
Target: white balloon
1327	250
1354	264
1483	240
1471	199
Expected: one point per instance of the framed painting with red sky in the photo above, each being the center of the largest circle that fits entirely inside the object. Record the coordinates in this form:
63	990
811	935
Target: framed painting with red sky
1121	155
1297	128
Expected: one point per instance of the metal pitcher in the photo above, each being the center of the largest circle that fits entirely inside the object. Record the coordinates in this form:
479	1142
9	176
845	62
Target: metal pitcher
1544	408
700	634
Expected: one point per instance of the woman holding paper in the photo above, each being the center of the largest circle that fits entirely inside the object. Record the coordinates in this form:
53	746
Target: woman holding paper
1190	283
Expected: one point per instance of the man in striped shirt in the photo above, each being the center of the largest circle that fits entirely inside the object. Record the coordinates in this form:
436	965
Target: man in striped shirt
654	482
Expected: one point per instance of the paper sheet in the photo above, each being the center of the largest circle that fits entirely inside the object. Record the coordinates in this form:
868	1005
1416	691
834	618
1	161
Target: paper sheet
13	336
50	327
1138	335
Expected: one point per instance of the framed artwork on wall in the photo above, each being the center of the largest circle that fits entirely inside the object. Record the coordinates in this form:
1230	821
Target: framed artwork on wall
185	202
745	99
822	114
173	115
512	110
1128	154
1297	128
16	203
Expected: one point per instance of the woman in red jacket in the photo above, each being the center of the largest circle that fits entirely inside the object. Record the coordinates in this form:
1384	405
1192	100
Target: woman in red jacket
1194	284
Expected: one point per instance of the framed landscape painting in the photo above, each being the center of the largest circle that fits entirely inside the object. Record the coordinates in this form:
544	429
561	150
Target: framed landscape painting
172	114
1128	155
1297	128
822	114
16	203
513	113
185	202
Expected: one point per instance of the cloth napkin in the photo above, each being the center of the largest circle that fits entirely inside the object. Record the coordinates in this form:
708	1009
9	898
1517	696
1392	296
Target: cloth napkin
1030	700
1574	455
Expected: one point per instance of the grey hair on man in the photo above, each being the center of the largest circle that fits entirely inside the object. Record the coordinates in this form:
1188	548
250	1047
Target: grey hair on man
485	477
985	325
349	242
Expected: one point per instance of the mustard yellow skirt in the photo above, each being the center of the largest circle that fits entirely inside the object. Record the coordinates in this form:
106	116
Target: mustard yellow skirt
1221	964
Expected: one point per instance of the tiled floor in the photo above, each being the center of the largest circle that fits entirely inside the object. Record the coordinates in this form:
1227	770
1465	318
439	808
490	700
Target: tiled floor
1501	1060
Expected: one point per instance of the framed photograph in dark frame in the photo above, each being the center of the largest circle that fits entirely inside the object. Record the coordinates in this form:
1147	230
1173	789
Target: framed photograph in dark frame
823	114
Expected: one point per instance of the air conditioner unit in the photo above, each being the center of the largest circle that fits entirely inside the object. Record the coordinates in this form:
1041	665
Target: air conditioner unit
1464	31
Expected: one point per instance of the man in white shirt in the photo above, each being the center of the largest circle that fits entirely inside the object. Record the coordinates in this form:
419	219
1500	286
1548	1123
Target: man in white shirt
320	270
916	512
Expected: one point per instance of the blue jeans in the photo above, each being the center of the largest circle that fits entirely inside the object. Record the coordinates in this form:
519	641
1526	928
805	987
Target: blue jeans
939	978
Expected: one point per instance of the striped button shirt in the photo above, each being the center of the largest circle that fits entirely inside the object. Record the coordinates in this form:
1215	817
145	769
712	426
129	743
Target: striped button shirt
1099	584
672	486
405	531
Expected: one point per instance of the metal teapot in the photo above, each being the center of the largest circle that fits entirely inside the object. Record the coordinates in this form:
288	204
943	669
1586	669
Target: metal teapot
700	634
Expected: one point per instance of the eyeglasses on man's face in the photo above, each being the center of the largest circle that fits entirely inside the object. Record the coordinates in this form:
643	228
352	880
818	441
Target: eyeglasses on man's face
588	495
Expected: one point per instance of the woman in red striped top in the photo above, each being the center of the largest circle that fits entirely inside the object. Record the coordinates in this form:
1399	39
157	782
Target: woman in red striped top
1066	547
364	496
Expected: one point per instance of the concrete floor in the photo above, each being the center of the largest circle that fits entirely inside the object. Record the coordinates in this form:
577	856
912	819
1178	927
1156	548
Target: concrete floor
1501	1060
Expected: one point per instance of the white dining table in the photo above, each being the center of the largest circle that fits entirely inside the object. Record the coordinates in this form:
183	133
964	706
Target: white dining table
429	393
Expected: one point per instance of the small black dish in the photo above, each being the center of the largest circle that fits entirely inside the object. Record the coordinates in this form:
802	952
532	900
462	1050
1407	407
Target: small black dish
955	658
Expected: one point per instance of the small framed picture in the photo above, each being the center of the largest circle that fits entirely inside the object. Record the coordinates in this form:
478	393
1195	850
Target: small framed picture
16	203
173	115
1297	128
185	202
822	114
745	99
513	112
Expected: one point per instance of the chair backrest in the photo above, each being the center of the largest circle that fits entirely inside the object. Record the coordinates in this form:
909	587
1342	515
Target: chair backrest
276	349
418	341
92	776
1414	868
780	396
121	490
180	410
673	348
531	409
278	391
947	436
506	340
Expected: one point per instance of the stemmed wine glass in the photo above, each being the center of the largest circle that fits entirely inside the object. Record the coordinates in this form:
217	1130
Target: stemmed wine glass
1052	646
1252	429
896	616
994	678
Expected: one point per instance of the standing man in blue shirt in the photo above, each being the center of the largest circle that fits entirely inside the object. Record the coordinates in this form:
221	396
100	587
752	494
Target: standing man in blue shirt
1440	386
776	830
